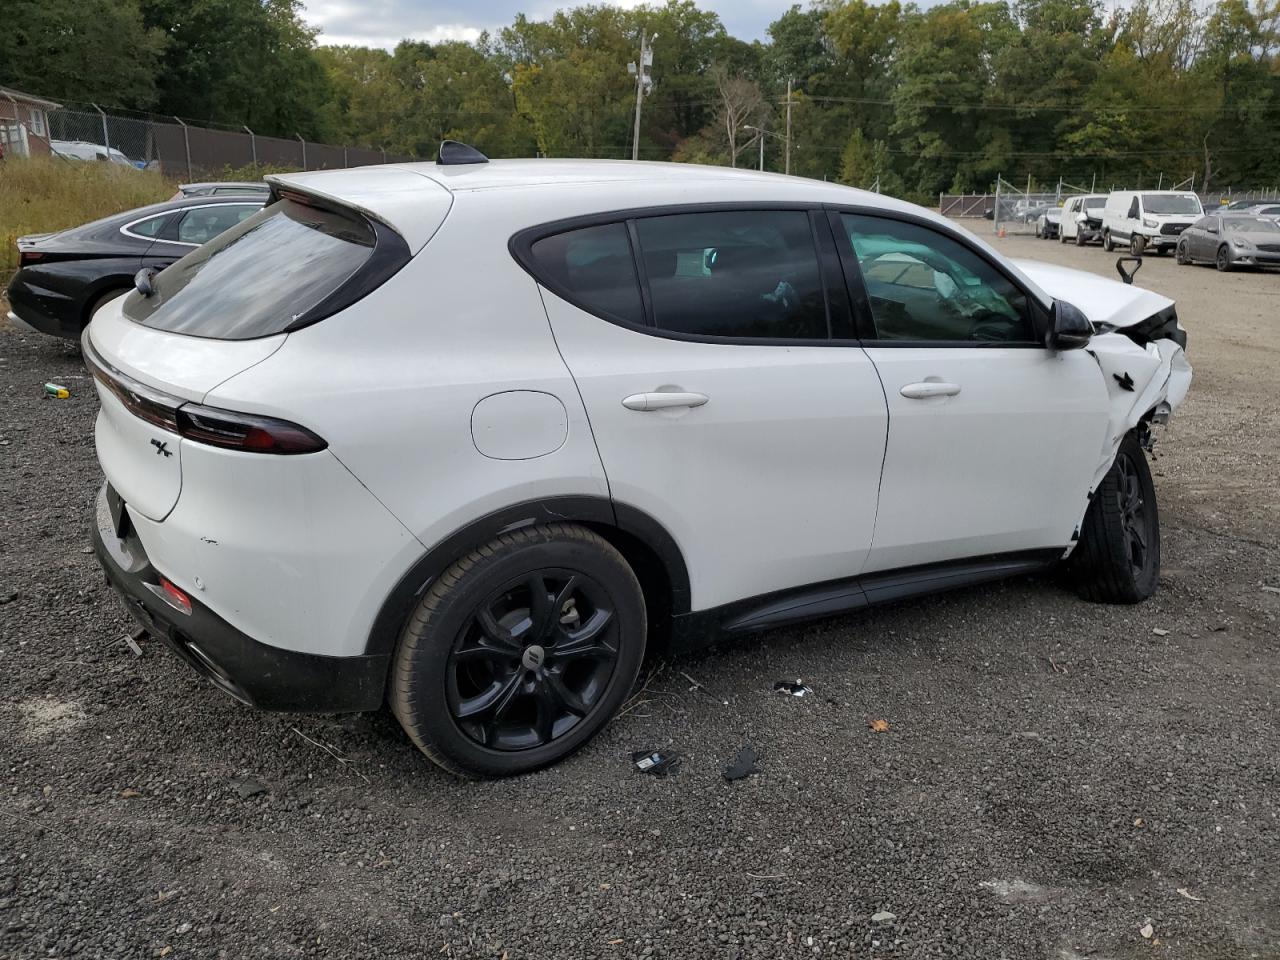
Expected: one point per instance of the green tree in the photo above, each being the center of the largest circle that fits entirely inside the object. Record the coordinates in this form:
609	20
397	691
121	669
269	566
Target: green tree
86	50
241	62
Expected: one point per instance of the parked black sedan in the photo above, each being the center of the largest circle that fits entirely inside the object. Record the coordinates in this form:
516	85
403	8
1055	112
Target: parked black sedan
64	278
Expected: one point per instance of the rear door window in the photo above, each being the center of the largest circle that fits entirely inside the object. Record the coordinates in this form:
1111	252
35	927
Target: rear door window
260	277
739	274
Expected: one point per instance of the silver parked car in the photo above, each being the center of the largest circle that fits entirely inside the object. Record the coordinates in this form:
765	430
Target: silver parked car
1231	240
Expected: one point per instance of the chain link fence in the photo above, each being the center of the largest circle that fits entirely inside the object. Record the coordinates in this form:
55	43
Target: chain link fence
1017	211
185	151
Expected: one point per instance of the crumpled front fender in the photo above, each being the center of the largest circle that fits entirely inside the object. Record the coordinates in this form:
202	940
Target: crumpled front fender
1139	380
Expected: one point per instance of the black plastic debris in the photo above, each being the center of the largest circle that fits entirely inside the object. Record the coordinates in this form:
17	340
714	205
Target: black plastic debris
792	688
657	762
744	766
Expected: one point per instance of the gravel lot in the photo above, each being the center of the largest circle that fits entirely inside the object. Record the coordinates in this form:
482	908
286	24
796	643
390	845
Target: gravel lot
1056	776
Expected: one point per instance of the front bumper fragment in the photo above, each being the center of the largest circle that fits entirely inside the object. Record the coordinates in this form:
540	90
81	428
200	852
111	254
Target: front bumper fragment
255	673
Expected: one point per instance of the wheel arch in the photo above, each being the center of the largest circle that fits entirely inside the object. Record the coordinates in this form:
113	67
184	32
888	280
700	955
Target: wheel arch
646	545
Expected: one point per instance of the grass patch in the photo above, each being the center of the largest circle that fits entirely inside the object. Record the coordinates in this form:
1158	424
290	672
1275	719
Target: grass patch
42	196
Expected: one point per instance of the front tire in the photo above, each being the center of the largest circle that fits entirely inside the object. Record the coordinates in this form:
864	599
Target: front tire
1107	243
1223	260
1137	243
1118	557
1180	254
520	652
1079	238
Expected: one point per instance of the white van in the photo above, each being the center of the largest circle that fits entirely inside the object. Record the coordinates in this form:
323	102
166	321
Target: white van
1148	218
1082	218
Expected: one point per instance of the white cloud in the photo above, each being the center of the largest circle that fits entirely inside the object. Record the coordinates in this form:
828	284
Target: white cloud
383	23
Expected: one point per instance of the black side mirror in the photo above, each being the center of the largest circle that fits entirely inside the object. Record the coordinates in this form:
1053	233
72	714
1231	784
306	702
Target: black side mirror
1128	275
1069	328
142	281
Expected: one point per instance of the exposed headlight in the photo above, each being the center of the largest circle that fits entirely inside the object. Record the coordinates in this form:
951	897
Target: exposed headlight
1151	223
1241	244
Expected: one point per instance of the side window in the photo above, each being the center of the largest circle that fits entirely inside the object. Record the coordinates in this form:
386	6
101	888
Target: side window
749	273
150	227
596	268
204	223
1133	209
924	285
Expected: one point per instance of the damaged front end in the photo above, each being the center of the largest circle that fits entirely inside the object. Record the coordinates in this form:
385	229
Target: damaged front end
1137	343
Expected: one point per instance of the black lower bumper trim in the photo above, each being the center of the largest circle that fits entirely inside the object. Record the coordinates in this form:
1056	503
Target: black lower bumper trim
255	673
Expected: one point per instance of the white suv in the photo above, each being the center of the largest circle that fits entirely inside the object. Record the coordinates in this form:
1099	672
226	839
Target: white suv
468	437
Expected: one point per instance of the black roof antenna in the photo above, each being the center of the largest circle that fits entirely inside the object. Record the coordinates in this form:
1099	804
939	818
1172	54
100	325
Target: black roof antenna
453	152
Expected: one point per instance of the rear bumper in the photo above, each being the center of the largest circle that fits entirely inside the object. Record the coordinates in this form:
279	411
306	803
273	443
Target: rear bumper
44	311
255	673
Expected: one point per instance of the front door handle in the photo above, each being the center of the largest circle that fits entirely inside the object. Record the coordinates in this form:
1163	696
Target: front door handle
929	388
663	401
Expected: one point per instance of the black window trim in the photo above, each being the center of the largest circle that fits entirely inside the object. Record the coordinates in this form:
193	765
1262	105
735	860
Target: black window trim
834	289
1039	315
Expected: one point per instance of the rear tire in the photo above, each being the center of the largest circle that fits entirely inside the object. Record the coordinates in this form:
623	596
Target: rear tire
1118	557
520	652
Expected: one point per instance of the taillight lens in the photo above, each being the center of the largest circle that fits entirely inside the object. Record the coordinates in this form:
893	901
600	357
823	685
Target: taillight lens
27	257
245	431
193	421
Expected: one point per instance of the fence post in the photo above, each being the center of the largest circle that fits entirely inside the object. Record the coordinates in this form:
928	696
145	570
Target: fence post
384	154
344	158
304	149
253	146
186	139
995	216
106	138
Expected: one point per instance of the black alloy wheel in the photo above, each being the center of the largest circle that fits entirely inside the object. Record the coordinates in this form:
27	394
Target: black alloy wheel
1223	261
520	651
533	660
1118	557
1134	519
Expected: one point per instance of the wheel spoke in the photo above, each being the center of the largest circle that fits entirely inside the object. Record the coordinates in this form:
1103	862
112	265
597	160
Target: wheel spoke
588	640
542	609
494	699
484	649
545	714
565	697
499	634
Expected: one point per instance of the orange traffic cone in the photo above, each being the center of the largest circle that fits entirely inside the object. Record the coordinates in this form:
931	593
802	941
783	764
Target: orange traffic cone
1001	233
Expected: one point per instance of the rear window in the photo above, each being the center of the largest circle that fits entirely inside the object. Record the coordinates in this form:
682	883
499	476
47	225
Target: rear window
261	277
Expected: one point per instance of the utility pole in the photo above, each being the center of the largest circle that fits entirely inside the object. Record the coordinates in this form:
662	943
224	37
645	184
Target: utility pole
787	165
644	85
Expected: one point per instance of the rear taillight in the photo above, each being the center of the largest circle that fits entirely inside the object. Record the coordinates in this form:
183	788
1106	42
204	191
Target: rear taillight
244	431
28	257
171	595
193	421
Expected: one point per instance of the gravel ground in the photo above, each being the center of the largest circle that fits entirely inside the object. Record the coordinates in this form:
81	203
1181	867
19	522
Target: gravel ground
1056	776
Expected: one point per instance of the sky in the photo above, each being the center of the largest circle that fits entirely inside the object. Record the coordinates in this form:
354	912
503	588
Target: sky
383	23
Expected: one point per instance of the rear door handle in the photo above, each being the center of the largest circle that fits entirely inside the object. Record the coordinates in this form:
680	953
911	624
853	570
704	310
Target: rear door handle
663	401
929	388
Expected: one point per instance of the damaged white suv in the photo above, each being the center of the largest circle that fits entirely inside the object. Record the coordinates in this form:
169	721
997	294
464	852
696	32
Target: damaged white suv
467	437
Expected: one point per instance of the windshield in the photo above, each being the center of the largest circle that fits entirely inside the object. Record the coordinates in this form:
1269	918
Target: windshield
1171	203
1095	203
259	277
1250	225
